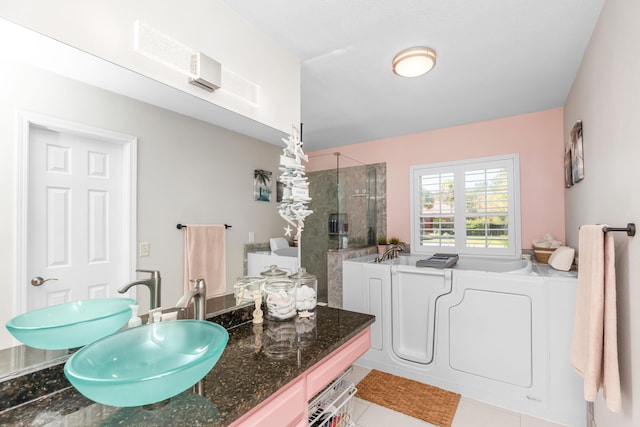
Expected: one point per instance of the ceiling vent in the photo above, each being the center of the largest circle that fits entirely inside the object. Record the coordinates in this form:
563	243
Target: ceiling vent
207	72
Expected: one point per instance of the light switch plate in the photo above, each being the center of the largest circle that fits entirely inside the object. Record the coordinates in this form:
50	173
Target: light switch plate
145	249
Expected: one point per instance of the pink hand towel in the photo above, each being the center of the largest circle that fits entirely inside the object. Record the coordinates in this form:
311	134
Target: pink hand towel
204	257
594	349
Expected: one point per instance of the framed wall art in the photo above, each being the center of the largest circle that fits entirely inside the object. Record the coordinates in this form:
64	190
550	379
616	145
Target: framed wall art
568	170
577	153
574	156
262	185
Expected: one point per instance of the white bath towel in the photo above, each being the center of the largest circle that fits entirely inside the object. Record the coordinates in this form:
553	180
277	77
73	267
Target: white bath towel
204	257
594	348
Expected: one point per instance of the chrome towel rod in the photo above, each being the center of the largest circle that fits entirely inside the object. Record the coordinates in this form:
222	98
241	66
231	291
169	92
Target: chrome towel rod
630	229
226	226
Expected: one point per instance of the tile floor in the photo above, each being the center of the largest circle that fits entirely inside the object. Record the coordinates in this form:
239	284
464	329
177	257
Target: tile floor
470	413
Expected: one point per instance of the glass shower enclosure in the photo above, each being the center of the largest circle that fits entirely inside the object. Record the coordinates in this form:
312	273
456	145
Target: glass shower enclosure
346	213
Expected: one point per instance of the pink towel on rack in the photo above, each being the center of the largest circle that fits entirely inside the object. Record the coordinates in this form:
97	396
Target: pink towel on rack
204	257
594	349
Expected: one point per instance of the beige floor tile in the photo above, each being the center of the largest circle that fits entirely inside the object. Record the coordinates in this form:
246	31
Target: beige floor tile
357	374
528	421
379	416
472	413
359	406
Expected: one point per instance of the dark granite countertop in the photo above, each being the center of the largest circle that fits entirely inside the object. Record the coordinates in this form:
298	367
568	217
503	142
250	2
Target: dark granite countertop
257	362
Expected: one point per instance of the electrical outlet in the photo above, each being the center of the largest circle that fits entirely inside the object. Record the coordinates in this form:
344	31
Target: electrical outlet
252	237
145	249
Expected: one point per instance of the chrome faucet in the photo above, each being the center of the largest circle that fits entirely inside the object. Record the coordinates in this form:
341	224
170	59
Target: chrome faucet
153	283
199	295
390	253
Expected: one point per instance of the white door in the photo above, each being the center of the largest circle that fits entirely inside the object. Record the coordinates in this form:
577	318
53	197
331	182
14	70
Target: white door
78	227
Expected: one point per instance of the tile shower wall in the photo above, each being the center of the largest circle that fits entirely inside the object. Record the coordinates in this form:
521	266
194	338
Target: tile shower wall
334	270
327	198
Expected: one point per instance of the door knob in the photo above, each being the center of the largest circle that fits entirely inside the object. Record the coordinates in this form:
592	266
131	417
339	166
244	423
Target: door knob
38	281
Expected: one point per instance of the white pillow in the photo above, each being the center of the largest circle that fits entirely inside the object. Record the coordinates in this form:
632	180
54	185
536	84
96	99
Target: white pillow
562	258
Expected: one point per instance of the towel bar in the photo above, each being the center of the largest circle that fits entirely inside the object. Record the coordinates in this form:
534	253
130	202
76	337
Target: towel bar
226	226
630	229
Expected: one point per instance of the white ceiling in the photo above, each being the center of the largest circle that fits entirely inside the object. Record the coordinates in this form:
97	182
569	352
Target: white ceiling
496	58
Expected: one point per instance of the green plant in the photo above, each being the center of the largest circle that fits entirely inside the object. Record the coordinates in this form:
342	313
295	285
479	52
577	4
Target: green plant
382	240
394	240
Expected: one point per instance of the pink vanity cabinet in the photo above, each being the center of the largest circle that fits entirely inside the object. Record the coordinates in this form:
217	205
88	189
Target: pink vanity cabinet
289	406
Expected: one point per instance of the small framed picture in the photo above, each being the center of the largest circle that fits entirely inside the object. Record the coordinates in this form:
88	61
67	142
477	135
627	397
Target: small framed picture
279	191
568	171
577	153
262	185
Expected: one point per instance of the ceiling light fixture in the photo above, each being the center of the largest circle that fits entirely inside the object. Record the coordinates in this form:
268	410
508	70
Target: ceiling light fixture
414	62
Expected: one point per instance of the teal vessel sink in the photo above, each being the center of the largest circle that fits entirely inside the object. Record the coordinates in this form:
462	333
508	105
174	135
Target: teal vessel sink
146	364
72	324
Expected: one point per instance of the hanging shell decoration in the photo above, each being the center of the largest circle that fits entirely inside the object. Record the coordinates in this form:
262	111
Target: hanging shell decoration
295	195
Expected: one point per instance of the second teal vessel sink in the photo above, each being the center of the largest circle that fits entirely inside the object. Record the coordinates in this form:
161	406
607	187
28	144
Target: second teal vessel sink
146	364
72	324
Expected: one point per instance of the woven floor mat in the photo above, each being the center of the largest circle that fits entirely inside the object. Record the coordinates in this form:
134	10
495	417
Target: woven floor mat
413	398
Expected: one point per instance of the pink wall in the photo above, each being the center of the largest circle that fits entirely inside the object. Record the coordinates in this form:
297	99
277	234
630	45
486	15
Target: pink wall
536	137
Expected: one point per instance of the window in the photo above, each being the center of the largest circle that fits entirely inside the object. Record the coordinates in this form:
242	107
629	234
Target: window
467	207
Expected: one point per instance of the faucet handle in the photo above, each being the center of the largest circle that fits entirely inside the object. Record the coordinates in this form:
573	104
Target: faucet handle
154	273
